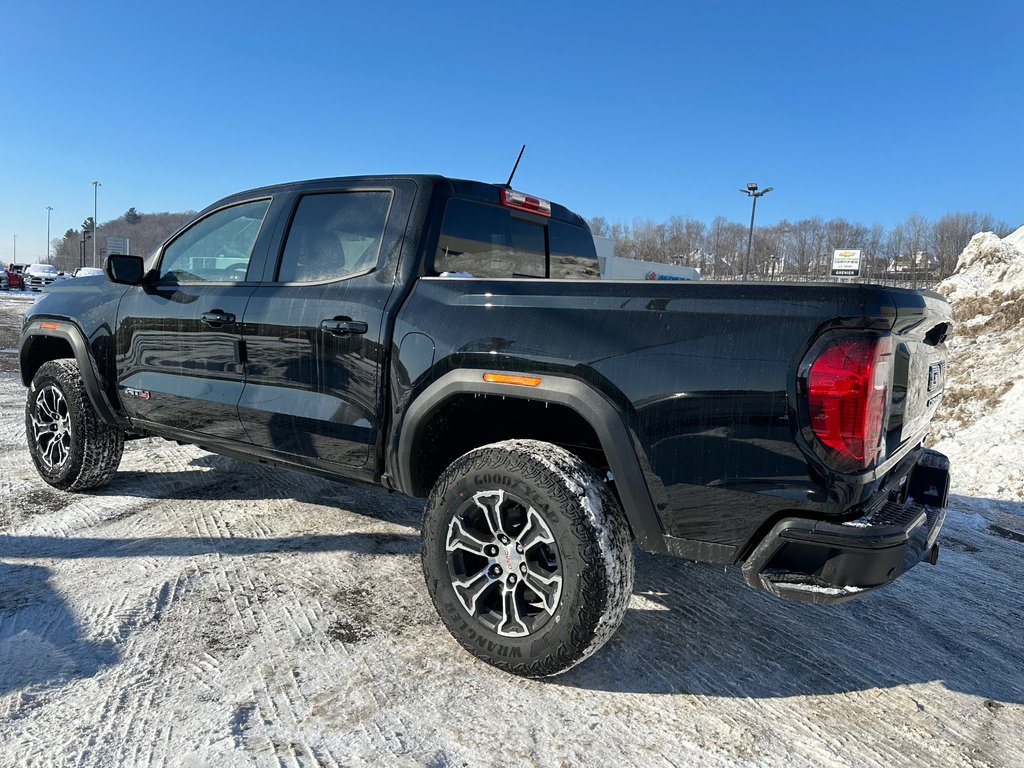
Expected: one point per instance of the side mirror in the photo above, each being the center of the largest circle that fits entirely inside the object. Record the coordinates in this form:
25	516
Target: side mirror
127	270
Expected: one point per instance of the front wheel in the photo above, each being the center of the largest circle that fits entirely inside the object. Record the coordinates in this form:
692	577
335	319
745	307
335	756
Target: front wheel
72	448
527	556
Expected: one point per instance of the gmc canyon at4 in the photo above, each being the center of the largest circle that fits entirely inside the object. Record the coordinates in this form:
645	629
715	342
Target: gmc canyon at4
452	340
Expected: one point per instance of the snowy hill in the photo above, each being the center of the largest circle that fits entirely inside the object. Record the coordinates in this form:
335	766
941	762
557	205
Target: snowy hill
981	420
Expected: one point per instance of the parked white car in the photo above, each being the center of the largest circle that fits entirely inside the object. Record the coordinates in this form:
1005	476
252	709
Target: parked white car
87	272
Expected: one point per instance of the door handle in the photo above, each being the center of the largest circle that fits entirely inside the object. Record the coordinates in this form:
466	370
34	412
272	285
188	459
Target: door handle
343	327
216	317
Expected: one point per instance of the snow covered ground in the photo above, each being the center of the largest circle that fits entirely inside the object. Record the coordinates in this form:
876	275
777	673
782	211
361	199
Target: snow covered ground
200	611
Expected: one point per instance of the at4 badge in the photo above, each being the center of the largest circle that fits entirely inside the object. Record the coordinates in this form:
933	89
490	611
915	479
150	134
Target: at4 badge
142	394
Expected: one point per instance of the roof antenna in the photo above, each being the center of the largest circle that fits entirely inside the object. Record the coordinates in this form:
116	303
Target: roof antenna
508	183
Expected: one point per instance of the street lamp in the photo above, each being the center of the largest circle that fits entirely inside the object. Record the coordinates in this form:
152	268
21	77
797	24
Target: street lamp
48	209
95	195
751	191
81	249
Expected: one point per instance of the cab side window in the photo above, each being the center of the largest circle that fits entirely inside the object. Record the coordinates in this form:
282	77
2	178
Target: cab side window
217	248
481	240
334	235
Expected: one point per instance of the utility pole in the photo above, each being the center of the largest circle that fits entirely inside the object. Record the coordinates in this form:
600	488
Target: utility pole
751	191
48	209
95	196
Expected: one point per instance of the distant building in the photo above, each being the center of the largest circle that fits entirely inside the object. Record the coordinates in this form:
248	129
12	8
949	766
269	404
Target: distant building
922	261
618	268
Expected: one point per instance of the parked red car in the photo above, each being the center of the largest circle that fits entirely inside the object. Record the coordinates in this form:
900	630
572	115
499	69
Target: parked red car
14	276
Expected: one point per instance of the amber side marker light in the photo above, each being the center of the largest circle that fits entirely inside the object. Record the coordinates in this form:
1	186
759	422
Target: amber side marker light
501	378
50	326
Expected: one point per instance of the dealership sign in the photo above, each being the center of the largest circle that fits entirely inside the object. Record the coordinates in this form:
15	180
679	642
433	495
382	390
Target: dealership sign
846	264
117	245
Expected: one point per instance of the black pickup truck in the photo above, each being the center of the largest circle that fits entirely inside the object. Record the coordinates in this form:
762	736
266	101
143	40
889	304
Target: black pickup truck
453	340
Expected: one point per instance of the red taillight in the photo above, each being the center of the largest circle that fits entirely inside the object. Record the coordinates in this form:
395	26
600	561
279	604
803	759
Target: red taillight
847	394
512	199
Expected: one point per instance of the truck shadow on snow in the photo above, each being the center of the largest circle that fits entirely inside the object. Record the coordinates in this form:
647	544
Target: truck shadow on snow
40	640
228	480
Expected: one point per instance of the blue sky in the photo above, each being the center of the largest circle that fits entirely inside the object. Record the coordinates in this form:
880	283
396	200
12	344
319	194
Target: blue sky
867	110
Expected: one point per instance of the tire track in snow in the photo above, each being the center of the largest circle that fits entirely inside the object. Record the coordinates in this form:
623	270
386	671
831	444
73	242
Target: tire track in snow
139	687
278	691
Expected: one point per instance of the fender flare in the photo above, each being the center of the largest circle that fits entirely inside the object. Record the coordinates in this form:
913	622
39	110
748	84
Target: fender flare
62	329
586	401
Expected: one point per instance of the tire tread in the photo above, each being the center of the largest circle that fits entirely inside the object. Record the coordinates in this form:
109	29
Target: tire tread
96	446
596	522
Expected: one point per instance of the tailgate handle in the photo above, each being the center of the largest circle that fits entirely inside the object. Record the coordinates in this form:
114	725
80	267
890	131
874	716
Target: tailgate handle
343	327
217	317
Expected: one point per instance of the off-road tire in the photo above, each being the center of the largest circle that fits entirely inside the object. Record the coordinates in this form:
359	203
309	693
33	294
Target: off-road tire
89	451
592	547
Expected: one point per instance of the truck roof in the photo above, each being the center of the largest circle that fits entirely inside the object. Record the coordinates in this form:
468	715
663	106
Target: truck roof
464	188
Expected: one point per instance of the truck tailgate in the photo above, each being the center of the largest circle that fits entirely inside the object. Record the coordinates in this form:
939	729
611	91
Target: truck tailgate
919	365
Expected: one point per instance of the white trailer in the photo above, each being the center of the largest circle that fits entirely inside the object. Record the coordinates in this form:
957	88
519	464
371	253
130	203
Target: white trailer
617	268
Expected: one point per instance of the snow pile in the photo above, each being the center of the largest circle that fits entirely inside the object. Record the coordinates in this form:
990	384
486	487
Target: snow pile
988	264
981	420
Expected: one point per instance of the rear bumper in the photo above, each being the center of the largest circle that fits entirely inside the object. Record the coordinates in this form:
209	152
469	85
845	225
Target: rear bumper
826	563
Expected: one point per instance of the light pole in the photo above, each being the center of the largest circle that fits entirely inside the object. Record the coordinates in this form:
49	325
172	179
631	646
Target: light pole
15	249
48	209
95	196
751	191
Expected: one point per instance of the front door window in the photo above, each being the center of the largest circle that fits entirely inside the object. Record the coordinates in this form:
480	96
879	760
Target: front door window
216	249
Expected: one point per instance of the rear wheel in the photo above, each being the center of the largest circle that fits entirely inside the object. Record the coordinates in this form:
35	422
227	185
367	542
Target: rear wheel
527	556
72	448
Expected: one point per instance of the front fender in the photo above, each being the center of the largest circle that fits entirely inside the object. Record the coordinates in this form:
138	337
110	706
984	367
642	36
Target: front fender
45	339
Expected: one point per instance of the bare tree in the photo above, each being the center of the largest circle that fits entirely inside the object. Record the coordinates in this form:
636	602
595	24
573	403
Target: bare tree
726	241
950	236
896	243
647	241
874	258
599	226
684	239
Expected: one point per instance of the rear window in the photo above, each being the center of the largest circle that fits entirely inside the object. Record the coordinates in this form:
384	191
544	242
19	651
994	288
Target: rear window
481	240
334	236
572	252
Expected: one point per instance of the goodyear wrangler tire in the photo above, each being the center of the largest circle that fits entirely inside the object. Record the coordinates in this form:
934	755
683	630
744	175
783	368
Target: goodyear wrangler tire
527	556
73	450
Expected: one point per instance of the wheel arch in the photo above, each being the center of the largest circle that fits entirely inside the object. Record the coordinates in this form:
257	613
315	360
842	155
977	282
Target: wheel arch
583	411
46	340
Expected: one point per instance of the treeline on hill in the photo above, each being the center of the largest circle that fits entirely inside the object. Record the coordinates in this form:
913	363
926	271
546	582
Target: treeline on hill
145	231
800	248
